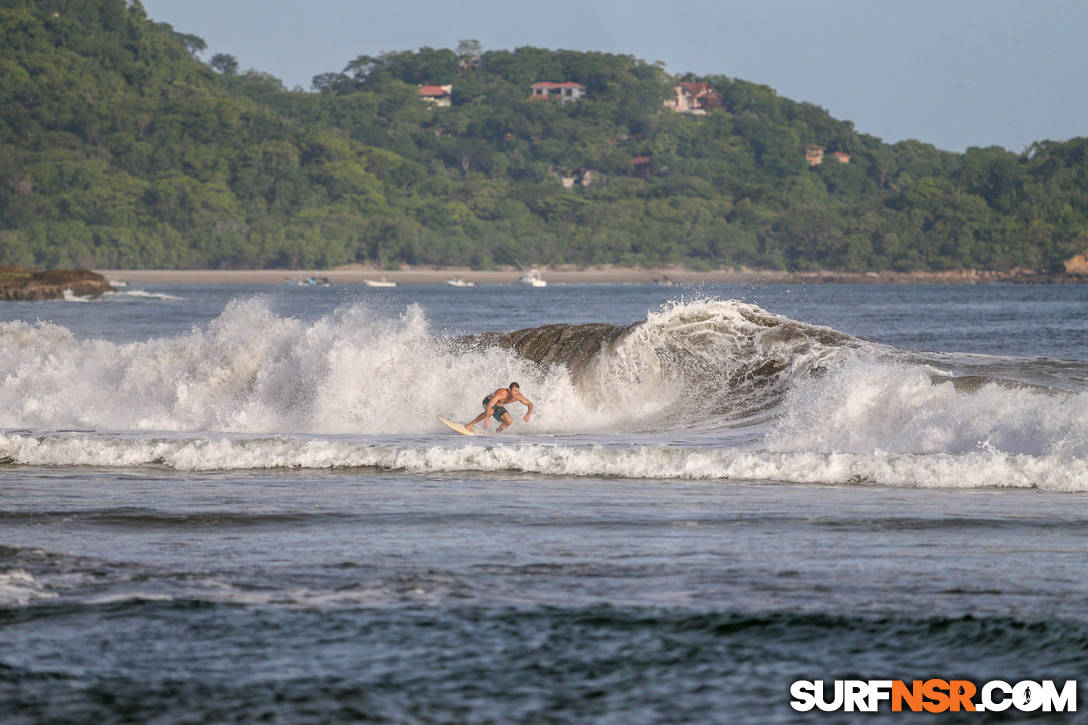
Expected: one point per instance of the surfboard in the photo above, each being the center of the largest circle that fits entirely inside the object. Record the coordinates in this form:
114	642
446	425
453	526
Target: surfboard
456	426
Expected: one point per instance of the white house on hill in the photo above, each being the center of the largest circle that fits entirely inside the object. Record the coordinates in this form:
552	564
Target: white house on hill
565	92
693	98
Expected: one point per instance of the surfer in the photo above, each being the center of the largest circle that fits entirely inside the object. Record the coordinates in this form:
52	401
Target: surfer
494	406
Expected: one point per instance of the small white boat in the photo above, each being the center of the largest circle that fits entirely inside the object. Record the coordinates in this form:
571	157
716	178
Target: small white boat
383	282
301	281
533	279
458	282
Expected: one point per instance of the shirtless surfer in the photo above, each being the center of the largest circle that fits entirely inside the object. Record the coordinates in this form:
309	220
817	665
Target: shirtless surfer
493	406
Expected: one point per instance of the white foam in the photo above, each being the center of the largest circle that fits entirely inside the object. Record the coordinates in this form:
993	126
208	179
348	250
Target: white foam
870	406
70	296
253	371
975	469
17	587
138	294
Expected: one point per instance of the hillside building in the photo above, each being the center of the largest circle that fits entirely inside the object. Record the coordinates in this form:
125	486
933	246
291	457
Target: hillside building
565	92
438	95
814	155
693	98
642	167
578	177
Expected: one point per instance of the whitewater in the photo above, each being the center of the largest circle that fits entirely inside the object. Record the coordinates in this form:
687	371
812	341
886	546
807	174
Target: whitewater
701	388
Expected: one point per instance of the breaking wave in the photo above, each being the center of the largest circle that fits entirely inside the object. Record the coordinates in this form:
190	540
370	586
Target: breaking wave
704	389
697	365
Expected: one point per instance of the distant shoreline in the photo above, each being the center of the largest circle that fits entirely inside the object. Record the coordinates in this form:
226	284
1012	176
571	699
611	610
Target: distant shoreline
356	274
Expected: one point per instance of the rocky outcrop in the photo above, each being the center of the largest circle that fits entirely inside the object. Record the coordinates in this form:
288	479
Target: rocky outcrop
1077	264
19	285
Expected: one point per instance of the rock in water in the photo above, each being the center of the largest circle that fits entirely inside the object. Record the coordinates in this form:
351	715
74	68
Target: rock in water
20	285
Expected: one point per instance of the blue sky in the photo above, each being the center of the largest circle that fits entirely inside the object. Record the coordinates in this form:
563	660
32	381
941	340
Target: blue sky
954	73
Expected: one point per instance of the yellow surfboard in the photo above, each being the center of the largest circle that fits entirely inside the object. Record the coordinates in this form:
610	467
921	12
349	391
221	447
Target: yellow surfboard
457	427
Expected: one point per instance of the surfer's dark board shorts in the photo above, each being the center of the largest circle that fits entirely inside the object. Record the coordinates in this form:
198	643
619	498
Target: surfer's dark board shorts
497	412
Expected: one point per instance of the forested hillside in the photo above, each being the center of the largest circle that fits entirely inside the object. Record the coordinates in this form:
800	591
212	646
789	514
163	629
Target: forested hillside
120	148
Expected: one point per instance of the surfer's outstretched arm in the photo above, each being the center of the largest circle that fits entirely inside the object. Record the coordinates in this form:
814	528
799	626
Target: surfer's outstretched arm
528	403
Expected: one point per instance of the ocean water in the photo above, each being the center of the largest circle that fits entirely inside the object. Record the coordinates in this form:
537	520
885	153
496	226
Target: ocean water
232	504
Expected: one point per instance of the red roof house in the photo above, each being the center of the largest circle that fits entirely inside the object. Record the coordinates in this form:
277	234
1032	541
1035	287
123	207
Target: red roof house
438	95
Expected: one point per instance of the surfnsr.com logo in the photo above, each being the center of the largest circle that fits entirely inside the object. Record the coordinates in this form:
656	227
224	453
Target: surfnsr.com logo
934	696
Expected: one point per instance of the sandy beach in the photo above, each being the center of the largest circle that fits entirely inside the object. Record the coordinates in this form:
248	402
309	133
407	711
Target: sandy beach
357	274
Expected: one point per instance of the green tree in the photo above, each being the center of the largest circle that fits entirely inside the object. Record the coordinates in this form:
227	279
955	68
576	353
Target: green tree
225	64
